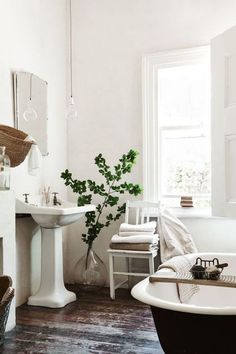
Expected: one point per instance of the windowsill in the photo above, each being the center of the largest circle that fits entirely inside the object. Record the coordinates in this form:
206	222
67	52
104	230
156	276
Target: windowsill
192	212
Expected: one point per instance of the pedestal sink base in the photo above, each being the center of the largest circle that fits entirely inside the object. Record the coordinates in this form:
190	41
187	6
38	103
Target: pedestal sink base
52	300
51	218
52	291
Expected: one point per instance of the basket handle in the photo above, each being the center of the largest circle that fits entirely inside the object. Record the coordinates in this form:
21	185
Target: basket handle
222	265
198	261
215	262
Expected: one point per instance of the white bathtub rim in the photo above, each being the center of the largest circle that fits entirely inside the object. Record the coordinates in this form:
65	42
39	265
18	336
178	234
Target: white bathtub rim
141	293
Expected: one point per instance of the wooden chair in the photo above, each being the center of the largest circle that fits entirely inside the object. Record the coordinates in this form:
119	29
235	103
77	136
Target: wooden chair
143	210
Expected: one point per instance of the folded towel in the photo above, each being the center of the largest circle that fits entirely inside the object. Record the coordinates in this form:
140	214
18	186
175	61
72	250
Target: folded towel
131	233
175	239
135	239
134	246
34	157
181	265
146	227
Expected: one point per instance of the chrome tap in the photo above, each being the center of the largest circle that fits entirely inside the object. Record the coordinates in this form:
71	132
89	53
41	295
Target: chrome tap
26	197
55	201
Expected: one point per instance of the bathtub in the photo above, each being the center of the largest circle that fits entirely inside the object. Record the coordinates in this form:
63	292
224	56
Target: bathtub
206	324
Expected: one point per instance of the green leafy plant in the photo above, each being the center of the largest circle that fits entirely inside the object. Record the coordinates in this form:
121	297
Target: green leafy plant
109	192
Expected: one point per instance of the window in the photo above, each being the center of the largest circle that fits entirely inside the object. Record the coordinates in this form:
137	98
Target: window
177	126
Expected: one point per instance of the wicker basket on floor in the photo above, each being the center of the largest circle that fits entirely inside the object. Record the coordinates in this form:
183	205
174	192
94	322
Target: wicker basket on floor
16	148
6	296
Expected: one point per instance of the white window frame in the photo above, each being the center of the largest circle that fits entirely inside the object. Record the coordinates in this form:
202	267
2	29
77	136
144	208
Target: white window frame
151	64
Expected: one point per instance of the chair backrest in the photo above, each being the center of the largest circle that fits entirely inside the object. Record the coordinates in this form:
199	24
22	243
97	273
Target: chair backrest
143	211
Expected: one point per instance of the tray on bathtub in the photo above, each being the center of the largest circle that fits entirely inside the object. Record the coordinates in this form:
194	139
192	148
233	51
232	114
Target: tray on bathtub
224	280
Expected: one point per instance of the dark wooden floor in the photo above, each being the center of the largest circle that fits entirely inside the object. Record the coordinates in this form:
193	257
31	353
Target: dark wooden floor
92	324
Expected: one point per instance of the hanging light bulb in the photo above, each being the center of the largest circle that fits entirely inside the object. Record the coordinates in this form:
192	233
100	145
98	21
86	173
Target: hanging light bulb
71	107
30	113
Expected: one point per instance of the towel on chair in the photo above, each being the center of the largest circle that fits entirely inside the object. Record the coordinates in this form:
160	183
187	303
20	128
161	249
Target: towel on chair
135	239
147	228
175	239
131	233
181	265
134	246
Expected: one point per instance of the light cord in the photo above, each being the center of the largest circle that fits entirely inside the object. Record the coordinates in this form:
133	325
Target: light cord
71	66
31	86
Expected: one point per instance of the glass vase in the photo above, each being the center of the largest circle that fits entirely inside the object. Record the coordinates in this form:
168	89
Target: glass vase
90	269
4	170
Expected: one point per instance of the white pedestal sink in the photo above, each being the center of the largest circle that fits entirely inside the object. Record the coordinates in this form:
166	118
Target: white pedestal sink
52	291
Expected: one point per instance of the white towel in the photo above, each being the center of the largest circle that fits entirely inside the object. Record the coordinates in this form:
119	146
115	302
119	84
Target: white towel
34	157
147	228
175	239
135	239
132	233
181	265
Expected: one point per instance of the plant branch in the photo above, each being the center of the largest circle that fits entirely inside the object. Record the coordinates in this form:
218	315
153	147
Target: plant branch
93	224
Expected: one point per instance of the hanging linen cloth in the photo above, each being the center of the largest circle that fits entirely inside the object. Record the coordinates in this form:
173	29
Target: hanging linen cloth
175	239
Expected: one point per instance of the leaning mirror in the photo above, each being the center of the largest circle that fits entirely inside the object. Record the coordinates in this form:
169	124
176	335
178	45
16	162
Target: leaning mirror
30	100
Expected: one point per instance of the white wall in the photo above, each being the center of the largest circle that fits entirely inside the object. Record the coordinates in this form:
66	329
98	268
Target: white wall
110	38
33	38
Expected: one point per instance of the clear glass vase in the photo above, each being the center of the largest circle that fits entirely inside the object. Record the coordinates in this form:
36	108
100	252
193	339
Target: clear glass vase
4	170
90	269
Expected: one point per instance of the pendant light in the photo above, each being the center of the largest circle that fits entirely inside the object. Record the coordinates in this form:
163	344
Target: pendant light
71	108
30	113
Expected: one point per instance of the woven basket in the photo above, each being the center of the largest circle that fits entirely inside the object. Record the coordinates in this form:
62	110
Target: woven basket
6	296
16	148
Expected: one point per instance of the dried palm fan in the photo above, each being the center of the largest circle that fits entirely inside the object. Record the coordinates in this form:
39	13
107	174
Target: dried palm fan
14	141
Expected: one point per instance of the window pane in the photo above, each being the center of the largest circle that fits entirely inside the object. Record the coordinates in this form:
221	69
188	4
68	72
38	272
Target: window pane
183	95
185	165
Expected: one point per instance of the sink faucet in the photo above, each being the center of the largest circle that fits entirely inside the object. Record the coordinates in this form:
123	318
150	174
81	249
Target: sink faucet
26	197
55	201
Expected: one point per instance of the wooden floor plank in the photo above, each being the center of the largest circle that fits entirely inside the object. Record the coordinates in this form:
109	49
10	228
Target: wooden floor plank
92	324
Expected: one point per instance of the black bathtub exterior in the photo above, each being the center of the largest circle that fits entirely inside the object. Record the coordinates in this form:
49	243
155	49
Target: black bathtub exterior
189	333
